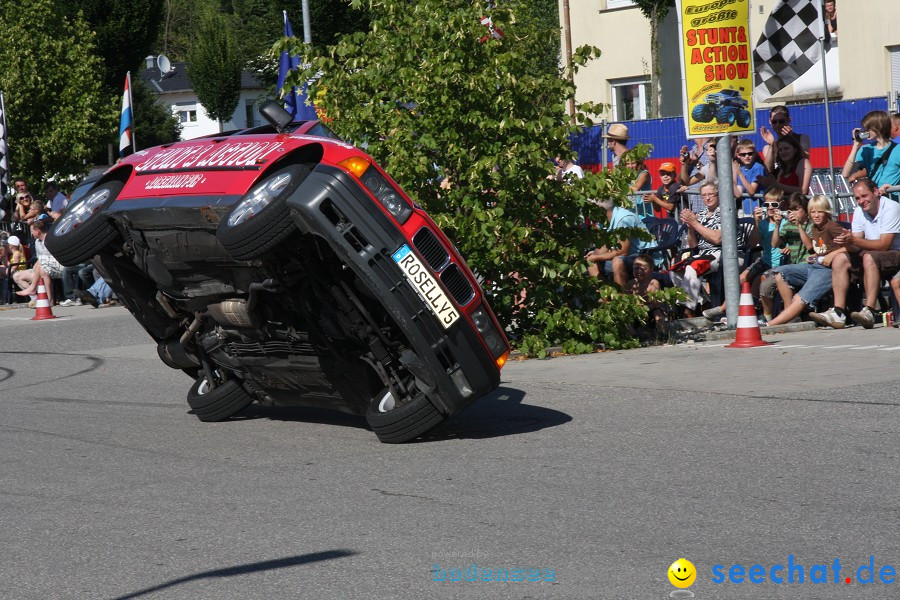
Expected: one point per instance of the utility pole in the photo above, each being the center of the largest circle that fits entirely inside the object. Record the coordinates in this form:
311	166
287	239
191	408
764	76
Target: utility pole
567	32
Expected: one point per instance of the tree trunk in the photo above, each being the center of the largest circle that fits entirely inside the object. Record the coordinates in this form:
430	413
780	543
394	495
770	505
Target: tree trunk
654	64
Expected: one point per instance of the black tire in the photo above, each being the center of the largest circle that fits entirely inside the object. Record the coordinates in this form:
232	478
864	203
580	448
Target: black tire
725	115
744	118
73	245
225	400
405	422
702	113
263	231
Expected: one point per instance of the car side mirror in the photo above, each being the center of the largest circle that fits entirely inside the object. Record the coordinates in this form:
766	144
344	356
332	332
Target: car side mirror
276	115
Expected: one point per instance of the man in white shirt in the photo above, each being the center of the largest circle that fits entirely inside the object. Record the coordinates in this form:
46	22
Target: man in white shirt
872	246
56	200
565	167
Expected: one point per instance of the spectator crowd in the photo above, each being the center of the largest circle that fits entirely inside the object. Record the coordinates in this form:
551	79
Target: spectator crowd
800	260
25	262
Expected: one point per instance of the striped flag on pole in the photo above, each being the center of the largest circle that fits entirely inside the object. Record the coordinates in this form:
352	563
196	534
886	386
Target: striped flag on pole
789	45
4	152
126	122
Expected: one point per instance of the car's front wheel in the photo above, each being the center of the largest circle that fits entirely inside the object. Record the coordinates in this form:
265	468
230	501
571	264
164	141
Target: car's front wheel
261	219
84	228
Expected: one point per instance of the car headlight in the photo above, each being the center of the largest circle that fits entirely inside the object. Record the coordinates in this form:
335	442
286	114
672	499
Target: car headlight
380	187
485	326
258	198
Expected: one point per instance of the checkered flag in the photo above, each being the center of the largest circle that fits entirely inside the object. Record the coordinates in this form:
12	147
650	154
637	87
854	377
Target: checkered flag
788	47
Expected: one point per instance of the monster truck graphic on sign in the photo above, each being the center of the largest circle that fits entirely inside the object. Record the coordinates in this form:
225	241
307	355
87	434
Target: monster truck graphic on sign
726	105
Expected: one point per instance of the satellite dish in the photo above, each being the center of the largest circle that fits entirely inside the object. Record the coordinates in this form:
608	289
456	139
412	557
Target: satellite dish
164	64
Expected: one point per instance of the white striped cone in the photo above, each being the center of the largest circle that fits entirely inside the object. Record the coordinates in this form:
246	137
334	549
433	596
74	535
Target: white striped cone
42	306
748	334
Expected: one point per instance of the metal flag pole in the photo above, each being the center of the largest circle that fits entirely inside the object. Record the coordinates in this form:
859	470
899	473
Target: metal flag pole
307	31
834	204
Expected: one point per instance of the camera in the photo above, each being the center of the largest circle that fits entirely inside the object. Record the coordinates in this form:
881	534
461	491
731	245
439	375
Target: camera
785	213
860	135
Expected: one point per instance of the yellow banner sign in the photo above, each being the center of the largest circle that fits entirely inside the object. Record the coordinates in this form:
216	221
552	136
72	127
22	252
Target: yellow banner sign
716	67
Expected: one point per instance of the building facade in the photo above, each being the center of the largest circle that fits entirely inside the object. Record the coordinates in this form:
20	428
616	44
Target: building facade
176	92
863	63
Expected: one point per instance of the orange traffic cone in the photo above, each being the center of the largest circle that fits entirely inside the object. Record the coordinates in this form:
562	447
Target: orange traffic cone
748	335
42	308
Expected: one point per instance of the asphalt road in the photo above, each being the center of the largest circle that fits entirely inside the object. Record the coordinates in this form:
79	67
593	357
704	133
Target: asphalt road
595	472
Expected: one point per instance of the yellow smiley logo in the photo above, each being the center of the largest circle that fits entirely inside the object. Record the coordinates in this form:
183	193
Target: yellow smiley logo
682	573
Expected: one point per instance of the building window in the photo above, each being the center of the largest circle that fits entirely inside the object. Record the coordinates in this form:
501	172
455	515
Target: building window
186	113
250	113
630	99
619	3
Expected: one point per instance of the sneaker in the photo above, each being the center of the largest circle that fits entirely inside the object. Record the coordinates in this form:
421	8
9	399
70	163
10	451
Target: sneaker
864	317
87	298
32	303
713	314
829	318
67	302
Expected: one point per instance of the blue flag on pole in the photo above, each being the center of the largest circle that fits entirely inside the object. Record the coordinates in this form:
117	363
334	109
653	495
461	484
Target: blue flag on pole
126	133
294	100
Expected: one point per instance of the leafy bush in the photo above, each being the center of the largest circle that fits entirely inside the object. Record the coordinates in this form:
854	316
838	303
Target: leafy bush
434	96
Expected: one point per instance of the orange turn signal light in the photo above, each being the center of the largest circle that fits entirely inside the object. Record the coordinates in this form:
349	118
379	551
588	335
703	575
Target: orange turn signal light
502	360
356	165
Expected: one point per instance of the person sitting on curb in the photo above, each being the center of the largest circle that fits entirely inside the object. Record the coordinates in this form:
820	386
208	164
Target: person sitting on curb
872	246
98	294
617	261
796	247
813	275
704	236
644	283
45	269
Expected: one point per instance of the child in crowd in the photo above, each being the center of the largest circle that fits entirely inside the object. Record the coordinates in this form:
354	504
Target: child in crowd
667	196
642	284
793	248
748	166
642	183
812	277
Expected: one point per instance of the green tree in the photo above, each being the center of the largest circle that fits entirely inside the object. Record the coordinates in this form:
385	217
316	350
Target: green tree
431	100
655	11
154	124
124	33
215	66
57	112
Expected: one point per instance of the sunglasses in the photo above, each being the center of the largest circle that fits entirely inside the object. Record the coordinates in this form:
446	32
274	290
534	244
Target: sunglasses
746	153
771	204
779	122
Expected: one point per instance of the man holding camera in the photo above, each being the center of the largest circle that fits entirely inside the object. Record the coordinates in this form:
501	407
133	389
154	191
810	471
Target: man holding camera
879	161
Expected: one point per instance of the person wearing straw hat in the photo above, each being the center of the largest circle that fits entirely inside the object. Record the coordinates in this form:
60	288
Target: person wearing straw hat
616	137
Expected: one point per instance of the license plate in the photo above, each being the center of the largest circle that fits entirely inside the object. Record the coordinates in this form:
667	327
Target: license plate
426	286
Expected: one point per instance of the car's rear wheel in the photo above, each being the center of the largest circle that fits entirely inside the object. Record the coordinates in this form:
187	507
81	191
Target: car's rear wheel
217	403
261	219
84	229
404	422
